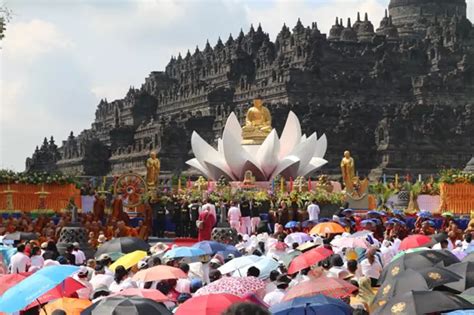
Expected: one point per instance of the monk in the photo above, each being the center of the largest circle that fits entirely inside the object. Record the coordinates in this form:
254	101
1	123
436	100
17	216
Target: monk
99	208
208	222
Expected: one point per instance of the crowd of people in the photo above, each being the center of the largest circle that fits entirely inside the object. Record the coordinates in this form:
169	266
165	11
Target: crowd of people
362	267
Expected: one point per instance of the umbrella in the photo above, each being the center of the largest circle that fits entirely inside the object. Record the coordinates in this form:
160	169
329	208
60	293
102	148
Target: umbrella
9	280
422	302
308	259
122	245
414	241
237	263
231	285
306	246
7	253
318	304
158	273
297	237
327	228
183	251
65	289
465	270
211	304
292	225
129	260
151	294
333	287
69	305
350	242
361	234
121	305
31	288
287	258
411	250
213	247
264	264
417	260
21	236
468	295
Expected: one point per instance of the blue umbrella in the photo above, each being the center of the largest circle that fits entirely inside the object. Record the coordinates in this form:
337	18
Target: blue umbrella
264	264
292	225
317	304
28	290
213	247
7	253
180	252
424	214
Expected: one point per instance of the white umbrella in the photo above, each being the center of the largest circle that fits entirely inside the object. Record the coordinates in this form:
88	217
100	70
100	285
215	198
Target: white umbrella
237	263
264	264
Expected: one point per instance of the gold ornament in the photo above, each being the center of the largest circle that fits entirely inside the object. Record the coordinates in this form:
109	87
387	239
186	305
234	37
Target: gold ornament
395	271
398	308
386	289
434	275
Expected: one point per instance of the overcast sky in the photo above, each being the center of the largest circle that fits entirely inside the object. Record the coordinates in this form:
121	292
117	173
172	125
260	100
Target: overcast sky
60	57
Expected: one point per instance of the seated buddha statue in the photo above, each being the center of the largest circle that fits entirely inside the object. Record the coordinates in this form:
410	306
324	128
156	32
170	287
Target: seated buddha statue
258	123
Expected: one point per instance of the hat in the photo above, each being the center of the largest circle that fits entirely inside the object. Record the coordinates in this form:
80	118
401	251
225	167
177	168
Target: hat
159	248
102	238
215	261
75	244
44	245
103	257
50	262
83	272
282	280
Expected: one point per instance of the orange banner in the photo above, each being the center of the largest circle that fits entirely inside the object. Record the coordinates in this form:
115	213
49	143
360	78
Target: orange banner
25	199
457	198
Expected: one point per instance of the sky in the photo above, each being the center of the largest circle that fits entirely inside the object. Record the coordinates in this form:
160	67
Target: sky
59	58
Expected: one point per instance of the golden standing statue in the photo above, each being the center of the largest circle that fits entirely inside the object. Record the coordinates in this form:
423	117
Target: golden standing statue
152	170
348	170
258	123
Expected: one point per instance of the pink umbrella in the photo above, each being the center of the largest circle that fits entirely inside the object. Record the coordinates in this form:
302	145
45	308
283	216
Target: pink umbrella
350	242
231	285
151	294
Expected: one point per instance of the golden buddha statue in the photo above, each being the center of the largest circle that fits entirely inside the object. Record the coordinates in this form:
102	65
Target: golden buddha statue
348	170
258	123
152	170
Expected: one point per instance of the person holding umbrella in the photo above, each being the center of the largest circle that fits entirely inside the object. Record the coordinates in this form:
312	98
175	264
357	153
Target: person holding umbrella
277	295
19	262
121	280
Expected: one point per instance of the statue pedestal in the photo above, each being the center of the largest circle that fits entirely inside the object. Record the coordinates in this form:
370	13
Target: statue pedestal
358	203
71	233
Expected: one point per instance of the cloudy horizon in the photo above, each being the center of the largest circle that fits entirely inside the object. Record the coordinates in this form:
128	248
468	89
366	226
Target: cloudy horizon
60	58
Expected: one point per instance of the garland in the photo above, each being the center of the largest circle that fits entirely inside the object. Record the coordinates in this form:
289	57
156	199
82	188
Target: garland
36	178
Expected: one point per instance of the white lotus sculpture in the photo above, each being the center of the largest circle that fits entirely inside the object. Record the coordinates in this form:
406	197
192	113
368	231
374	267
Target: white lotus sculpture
291	155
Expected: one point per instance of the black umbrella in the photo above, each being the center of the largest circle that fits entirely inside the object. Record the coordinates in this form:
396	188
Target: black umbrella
469	257
122	305
417	260
422	279
465	270
422	302
21	236
122	245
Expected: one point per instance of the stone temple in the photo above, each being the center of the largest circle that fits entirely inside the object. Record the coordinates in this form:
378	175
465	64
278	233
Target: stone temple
398	94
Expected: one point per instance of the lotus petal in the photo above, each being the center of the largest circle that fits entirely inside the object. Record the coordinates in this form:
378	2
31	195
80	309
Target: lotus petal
195	163
313	165
217	171
232	126
220	146
288	162
303	138
305	150
290	136
267	155
321	147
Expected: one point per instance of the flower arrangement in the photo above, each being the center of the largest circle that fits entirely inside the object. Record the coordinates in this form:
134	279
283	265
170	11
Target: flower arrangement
36	178
456	176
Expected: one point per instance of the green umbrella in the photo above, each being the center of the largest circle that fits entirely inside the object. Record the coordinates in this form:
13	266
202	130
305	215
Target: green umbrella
286	259
411	250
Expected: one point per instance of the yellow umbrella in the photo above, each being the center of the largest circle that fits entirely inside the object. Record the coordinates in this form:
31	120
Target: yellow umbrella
129	260
69	305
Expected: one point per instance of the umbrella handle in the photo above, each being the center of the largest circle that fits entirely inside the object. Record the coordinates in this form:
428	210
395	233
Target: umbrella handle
42	306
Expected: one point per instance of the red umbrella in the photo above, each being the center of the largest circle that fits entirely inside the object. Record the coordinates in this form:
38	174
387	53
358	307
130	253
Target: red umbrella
211	304
151	294
333	287
414	241
9	280
308	259
65	289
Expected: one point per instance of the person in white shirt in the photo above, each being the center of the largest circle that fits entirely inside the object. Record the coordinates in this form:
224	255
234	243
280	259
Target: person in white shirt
79	254
184	285
100	279
121	280
209	206
20	262
36	259
313	211
81	277
234	216
277	295
371	267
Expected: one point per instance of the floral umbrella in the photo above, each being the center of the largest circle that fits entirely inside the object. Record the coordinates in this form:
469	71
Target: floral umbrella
231	285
